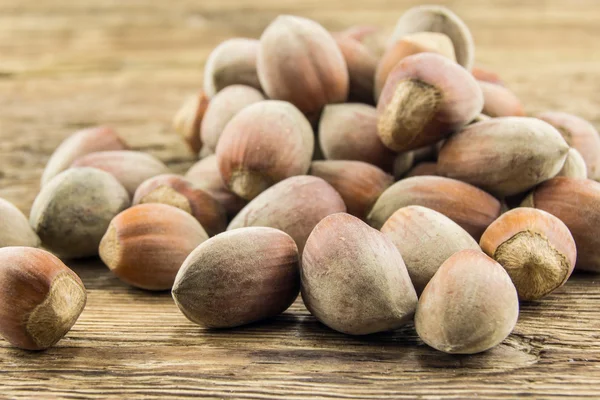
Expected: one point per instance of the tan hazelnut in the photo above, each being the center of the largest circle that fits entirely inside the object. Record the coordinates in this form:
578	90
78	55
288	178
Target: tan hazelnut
433	18
349	132
146	244
233	62
361	69
469	306
534	247
263	144
486	75
176	191
188	119
295	206
499	101
403	163
471	208
420	42
299	62
373	38
426	97
359	183
205	175
40	299
354	279
576	203
424	168
425	238
73	210
222	108
80	143
579	134
574	166
504	156
238	277
15	230
131	168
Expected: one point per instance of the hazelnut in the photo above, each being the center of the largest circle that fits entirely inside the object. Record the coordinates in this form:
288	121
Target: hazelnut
420	42
80	143
222	108
579	134
504	156
15	230
425	238
353	278
349	132
359	183
403	163
427	153
498	101
574	166
299	62
145	245
534	247
188	119
433	18
238	277
40	299
425	98
176	191
295	206
263	144
205	175
233	62
73	210
485	75
424	168
469	306
131	168
471	208
576	203
373	38
361	69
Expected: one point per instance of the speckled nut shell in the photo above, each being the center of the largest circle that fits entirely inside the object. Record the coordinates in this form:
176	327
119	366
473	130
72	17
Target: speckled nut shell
188	119
499	101
14	227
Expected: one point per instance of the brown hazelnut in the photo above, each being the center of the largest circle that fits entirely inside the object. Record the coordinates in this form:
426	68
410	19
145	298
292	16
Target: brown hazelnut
238	277
80	143
361	69
499	101
263	144
233	62
424	168
188	119
295	206
373	38
426	97
354	279
73	210
359	183
504	156
576	203
299	62
146	244
574	166
469	306
471	208
534	247
176	191
486	75
425	238
15	230
40	299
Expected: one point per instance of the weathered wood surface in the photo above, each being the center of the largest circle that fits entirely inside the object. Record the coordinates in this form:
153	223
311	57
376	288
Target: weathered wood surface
68	64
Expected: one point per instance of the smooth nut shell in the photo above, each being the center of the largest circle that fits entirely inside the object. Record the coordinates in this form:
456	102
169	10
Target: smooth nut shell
361	69
574	166
295	206
486	75
80	143
40	299
299	62
425	238
146	244
469	306
238	277
403	163
73	210
373	38
176	191
536	249
263	144
504	156
499	101
421	169
576	203
233	62
131	168
354	279
14	227
188	119
360	184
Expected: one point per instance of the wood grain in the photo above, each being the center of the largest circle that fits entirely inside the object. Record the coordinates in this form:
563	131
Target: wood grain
65	65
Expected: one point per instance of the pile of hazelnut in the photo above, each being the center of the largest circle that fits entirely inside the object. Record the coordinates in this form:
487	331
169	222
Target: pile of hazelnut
295	192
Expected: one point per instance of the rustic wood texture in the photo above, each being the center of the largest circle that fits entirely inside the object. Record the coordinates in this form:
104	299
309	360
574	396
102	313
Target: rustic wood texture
70	64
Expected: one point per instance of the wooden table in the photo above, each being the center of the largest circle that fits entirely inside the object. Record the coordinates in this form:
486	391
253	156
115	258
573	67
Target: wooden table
69	64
